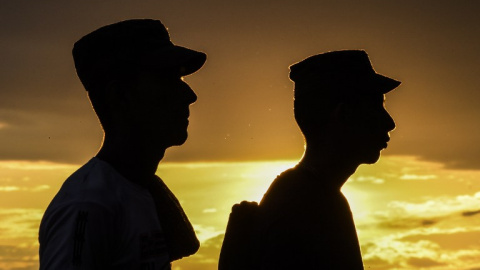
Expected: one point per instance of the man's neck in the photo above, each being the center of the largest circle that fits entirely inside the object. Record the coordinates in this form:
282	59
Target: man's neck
132	160
333	165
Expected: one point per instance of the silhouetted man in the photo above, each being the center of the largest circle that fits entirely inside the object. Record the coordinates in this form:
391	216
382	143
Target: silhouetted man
303	220
114	212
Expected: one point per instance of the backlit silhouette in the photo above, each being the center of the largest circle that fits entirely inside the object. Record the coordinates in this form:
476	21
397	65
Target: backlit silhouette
114	212
303	220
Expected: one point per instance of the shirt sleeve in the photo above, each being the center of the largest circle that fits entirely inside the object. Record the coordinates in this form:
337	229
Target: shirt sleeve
80	236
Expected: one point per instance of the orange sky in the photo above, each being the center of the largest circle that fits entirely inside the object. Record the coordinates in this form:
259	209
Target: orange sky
244	110
410	212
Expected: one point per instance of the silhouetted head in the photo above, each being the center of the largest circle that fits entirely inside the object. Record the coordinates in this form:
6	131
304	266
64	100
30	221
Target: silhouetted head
133	75
339	98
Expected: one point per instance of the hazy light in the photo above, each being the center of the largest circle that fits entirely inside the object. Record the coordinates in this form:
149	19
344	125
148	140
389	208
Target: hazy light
9	188
34	165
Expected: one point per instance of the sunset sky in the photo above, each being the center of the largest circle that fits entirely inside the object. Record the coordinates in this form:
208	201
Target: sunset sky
416	209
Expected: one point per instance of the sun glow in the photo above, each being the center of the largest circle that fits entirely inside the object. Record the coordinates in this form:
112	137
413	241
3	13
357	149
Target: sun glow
263	174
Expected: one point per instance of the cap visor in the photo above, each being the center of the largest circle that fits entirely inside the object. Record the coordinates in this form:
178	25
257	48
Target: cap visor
177	59
385	84
190	60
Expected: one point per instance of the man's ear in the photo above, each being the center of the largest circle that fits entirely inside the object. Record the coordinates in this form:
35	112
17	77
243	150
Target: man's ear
116	96
343	114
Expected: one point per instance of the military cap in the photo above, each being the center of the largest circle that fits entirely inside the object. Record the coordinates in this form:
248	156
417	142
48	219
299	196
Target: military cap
348	72
132	43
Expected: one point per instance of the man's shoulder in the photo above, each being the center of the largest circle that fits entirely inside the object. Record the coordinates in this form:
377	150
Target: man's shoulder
95	183
296	197
89	189
287	187
99	175
93	177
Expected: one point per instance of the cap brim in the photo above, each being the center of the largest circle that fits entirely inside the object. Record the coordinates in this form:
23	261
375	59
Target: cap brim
177	59
189	60
384	84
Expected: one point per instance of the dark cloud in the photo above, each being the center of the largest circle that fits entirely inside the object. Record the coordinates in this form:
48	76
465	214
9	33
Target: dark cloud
427	222
43	135
402	223
408	221
423	262
375	262
470	213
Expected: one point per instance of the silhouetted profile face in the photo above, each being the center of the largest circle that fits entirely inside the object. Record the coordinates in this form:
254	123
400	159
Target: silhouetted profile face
339	106
133	74
367	127
160	109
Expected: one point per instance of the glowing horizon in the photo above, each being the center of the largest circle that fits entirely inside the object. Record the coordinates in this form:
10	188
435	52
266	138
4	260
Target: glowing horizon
406	212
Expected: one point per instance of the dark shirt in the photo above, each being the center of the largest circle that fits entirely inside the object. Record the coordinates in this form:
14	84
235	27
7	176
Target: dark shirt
100	220
307	224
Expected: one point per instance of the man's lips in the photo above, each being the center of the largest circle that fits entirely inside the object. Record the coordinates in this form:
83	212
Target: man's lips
385	143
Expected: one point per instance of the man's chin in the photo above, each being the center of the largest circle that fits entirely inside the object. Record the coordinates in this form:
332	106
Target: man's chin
178	139
371	158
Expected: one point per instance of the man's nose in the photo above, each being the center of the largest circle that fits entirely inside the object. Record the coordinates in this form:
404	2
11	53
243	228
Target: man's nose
188	94
193	97
389	122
